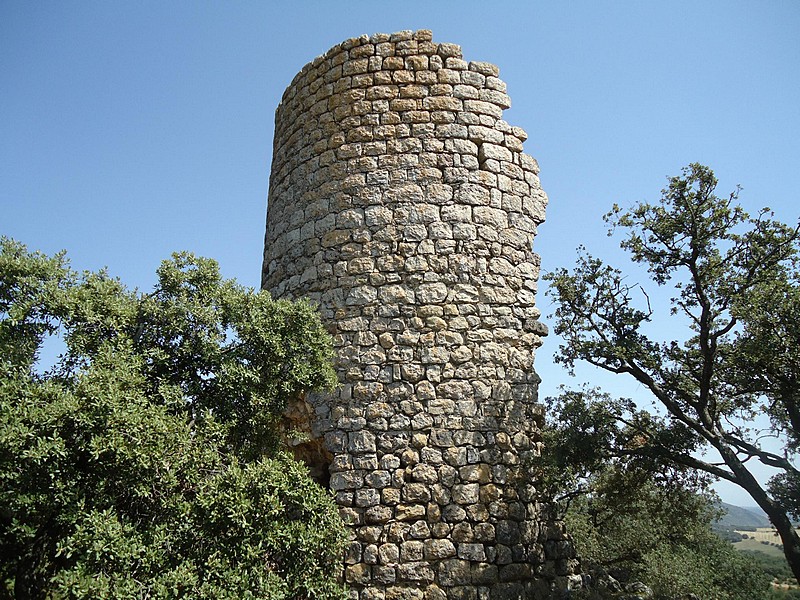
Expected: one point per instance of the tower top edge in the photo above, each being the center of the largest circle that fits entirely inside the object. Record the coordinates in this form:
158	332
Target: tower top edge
412	42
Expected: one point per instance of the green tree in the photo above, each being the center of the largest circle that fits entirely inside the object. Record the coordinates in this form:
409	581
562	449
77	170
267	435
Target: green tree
736	299
146	462
632	520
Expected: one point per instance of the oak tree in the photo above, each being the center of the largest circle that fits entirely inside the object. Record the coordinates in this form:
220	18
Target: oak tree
145	461
634	520
732	352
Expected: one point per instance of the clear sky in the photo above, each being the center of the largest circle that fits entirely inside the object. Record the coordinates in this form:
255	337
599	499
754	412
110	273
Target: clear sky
129	130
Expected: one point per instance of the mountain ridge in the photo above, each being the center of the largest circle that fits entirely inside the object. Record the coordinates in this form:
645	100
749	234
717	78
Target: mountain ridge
738	517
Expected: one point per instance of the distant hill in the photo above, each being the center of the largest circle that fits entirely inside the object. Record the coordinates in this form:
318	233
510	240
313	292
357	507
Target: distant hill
737	517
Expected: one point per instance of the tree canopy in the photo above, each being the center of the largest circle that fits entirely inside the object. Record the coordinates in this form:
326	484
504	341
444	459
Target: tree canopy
735	353
146	462
632	521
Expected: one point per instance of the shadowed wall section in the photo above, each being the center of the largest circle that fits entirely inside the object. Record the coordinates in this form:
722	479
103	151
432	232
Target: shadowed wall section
403	205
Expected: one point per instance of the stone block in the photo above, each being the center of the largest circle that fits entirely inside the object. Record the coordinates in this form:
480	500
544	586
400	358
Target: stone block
372	593
362	295
367	497
384	575
416	492
489	151
357	574
435	549
425	473
453	572
409	512
515	572
369	533
507	532
475	473
484	532
453	513
404	593
378	514
449	50
466	493
411	551
346	480
434	592
388	554
419	530
465	92
483	108
415	571
481	134
472	552
445	103
370	554
484	68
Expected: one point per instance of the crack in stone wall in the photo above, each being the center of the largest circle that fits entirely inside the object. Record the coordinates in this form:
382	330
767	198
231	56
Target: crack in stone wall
402	203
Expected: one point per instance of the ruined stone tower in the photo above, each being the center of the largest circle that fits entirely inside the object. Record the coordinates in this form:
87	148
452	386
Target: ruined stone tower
403	205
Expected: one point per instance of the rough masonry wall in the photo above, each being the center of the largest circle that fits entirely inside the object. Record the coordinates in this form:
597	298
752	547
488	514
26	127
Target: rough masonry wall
402	203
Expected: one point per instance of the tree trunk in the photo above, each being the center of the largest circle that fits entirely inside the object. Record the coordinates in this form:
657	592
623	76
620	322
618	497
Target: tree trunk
790	539
776	514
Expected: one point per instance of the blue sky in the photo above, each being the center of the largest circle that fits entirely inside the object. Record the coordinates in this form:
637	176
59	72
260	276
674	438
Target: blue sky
132	130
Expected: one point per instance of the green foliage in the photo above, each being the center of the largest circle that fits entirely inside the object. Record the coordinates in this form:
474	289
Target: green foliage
145	462
735	280
639	531
589	432
630	517
785	594
729	535
775	567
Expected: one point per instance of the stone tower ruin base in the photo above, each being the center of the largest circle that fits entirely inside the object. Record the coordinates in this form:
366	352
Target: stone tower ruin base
403	205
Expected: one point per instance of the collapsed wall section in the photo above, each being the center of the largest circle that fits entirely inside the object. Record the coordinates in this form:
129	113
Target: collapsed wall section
403	205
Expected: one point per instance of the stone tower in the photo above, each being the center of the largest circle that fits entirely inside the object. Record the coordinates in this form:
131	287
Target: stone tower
403	205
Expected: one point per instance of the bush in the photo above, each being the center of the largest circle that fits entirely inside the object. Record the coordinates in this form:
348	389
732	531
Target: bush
146	462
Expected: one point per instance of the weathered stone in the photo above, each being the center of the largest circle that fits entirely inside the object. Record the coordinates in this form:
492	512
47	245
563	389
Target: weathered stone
463	532
362	441
378	514
454	572
484	532
434	592
453	513
388	554
390	496
367	497
411	551
480	473
466	493
420	530
357	574
372	593
404	206
346	481
383	575
431	293
437	549
369	533
370	554
473	552
409	512
425	473
416	492
485	574
353	553
404	593
415	571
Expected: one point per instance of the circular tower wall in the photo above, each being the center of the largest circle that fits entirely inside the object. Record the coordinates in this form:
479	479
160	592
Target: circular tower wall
403	205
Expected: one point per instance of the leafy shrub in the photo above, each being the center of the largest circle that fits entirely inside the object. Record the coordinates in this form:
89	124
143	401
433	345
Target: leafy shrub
146	462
